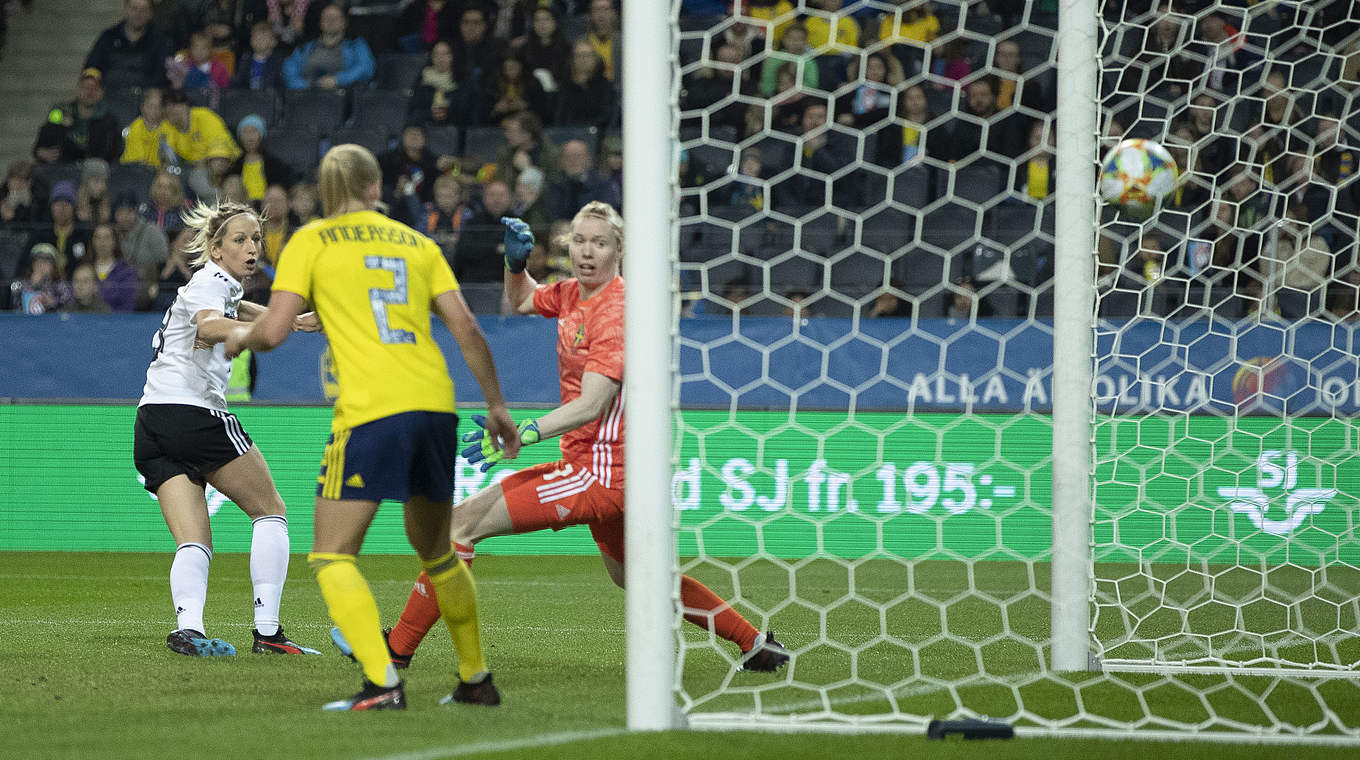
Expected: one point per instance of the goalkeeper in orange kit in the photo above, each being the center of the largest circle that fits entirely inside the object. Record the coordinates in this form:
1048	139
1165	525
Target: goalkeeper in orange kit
585	487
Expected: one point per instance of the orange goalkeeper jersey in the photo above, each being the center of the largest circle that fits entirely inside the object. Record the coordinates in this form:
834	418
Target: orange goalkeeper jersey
589	339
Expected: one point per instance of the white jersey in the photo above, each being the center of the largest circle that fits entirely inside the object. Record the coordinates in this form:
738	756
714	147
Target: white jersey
181	372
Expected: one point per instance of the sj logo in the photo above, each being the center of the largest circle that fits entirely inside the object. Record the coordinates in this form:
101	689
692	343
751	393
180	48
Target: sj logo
1299	503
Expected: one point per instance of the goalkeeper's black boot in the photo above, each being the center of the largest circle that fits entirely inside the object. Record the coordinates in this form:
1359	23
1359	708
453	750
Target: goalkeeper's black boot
766	656
278	643
481	693
193	643
372	697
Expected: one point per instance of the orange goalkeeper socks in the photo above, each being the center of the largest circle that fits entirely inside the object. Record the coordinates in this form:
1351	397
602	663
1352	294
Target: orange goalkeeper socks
421	611
417	617
708	611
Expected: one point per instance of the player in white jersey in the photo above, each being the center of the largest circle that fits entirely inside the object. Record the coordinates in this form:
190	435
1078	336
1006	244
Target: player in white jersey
185	439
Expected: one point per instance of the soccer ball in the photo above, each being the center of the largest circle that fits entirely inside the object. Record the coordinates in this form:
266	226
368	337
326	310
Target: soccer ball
1136	174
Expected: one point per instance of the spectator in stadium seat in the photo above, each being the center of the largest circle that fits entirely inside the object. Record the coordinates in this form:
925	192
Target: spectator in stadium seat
546	52
425	22
330	61
917	24
435	97
791	48
1163	56
132	52
143	243
710	84
302	204
888	304
50	146
480	253
293	20
1296	265
444	217
576	182
950	61
1036	177
148	137
1007	133
530	204
166	205
1216	151
1343	297
195	69
525	147
745	38
17	201
263	68
605	38
587	98
820	150
963	302
1015	85
44	289
68	235
85	296
118	280
834	36
914	110
257	167
409	171
869	106
197	135
512	90
92	197
176	270
1225	62
90	130
477	56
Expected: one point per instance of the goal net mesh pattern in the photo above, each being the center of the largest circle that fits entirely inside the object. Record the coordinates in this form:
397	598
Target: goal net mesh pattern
863	432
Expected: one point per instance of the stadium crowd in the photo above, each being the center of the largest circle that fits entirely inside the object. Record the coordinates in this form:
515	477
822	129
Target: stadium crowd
904	151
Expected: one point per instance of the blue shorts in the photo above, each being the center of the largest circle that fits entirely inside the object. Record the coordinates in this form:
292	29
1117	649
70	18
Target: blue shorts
396	457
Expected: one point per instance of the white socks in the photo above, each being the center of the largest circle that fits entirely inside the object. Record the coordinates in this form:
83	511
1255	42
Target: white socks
268	570
189	584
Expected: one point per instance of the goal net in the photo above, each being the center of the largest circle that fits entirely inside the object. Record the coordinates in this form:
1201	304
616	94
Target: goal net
863	428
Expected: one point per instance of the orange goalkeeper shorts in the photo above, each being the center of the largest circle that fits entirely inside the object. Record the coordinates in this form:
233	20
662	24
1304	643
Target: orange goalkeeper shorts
559	494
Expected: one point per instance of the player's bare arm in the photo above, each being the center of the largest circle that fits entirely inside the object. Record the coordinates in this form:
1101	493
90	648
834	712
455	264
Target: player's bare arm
270	329
248	311
597	393
519	291
456	315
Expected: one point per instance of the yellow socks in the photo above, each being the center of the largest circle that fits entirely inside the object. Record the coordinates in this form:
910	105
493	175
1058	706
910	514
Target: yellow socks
456	592
355	613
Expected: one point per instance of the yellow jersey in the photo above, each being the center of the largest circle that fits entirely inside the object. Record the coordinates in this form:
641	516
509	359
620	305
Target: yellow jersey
142	145
372	281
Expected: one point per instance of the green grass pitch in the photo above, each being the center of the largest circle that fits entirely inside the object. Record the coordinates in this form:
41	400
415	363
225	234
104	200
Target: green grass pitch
88	675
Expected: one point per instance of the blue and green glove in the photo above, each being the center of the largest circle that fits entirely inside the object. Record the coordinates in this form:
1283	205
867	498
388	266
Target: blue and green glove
519	241
482	449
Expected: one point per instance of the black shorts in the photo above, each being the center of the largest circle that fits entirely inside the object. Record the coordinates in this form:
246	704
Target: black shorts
177	439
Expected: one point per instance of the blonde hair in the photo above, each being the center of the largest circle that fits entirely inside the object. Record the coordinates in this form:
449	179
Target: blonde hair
207	223
605	212
345	175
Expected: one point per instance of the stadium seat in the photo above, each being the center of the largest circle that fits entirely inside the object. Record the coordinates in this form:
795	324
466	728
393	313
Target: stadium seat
800	272
235	105
13	248
131	178
949	226
483	297
319	110
373	138
857	274
397	72
298	147
443	141
888	231
485	143
51	174
380	110
125	105
911	186
560	135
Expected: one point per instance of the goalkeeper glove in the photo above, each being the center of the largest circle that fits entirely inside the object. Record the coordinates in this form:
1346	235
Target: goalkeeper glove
519	241
482	449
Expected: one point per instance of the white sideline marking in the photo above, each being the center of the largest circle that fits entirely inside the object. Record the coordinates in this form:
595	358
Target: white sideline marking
463	750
